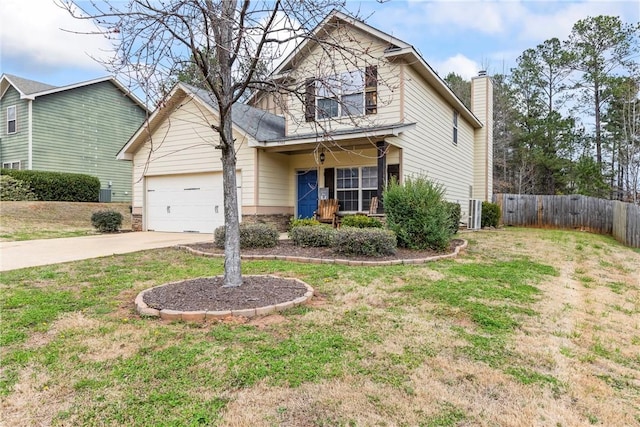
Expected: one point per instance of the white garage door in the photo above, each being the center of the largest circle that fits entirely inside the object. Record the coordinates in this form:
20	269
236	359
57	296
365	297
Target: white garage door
186	203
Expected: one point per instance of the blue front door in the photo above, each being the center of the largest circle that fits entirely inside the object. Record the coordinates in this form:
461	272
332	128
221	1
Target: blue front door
307	193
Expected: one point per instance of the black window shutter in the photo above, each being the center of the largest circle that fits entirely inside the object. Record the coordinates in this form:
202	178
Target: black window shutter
393	171
329	181
310	100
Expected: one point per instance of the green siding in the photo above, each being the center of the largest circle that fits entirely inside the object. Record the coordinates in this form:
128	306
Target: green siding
81	131
14	147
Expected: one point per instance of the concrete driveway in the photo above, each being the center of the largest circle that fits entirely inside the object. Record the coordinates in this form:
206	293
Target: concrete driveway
32	253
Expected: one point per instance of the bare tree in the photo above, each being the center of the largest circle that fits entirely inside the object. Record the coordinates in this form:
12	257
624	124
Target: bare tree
227	47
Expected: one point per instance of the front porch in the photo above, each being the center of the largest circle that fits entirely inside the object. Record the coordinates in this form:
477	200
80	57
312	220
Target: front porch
352	167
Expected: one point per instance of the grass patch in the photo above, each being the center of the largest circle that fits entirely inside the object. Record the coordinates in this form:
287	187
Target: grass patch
382	345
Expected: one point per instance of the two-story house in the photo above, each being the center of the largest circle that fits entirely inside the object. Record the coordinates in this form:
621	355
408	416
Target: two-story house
346	120
77	128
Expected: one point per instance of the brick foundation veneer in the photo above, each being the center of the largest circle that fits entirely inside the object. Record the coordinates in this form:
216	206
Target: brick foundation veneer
136	222
279	221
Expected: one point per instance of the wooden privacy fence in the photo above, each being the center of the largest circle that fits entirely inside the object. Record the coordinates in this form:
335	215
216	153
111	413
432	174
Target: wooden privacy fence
621	220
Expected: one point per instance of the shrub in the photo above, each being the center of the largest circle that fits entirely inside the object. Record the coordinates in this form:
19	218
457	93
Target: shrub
364	241
490	214
251	236
417	214
58	186
299	222
454	216
360	221
12	189
106	221
312	235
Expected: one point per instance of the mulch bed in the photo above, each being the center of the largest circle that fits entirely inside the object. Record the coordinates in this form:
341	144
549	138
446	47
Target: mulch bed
207	294
287	248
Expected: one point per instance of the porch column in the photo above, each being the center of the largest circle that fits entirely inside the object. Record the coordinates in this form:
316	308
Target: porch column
382	172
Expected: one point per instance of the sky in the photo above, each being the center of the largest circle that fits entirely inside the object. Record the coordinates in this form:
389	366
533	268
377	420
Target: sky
459	36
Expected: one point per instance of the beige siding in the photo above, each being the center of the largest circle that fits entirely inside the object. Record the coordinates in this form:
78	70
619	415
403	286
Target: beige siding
274	179
185	143
360	50
429	149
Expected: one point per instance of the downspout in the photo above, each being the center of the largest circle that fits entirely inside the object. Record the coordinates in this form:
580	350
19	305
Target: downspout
30	135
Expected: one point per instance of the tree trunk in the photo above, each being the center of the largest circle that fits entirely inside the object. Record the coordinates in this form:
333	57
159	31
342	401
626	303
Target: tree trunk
598	133
232	265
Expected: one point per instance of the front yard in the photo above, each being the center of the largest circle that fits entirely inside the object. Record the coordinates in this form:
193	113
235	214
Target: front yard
528	327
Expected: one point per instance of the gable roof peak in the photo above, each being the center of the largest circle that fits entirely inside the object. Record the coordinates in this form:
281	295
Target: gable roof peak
25	86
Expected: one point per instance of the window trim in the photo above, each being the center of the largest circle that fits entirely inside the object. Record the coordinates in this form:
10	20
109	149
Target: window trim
360	189
11	164
14	120
336	94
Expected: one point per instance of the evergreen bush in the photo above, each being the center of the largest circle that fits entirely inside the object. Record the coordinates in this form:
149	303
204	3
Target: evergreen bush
299	222
416	212
251	236
58	186
12	189
490	214
454	216
106	221
312	235
360	221
364	241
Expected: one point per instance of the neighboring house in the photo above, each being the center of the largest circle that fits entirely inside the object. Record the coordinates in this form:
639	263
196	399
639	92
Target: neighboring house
353	124
77	128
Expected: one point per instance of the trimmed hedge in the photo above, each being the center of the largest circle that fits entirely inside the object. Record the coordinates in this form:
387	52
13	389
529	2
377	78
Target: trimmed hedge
299	222
312	235
15	190
364	241
106	221
251	236
417	214
360	221
490	214
454	216
58	186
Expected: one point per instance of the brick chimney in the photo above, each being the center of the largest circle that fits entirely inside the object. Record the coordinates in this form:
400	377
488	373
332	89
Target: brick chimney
482	107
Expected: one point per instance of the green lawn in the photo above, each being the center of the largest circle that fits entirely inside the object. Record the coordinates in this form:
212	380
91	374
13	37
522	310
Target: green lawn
481	340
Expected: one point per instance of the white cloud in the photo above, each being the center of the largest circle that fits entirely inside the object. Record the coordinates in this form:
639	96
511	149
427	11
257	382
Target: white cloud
559	22
31	32
459	64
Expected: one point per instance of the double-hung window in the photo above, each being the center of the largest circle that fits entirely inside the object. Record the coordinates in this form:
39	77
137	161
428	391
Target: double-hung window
355	187
455	128
340	96
11	120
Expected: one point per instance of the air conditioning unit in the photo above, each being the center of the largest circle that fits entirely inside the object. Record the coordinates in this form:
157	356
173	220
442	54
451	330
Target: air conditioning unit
475	215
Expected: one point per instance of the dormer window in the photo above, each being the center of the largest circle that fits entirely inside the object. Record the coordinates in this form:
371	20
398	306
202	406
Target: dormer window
352	93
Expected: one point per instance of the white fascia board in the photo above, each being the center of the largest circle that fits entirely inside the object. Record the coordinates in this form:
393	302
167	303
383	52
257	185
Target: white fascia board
313	139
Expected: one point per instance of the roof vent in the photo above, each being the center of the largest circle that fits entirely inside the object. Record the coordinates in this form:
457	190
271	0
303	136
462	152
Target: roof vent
482	73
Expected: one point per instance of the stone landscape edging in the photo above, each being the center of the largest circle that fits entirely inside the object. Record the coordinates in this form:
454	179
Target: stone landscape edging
201	315
198	316
339	261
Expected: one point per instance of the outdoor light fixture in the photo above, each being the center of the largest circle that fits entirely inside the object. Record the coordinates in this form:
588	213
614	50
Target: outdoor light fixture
322	157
